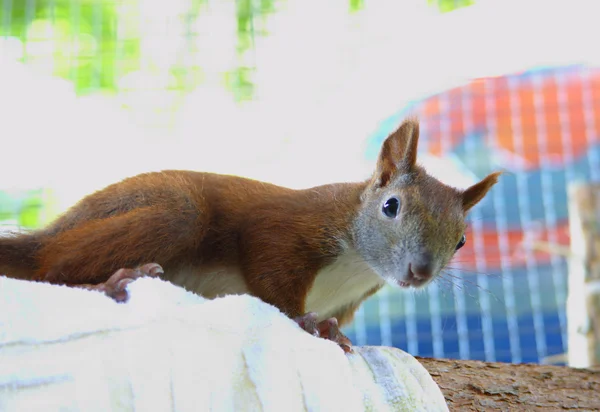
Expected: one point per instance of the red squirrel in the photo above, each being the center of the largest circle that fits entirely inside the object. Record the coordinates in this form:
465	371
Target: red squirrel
316	254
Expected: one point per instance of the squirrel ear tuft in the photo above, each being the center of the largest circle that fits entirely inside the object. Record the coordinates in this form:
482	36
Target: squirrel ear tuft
475	193
398	153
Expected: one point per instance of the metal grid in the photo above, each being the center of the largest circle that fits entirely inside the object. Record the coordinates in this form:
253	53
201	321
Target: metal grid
509	303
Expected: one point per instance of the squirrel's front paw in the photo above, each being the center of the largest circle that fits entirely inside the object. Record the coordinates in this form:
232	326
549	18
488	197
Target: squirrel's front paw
115	286
326	329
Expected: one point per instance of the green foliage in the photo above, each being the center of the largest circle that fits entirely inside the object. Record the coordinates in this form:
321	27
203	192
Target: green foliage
356	5
27	208
450	5
30	213
239	80
79	36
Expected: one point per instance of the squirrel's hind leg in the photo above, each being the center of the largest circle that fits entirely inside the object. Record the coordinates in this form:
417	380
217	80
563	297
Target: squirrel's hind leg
116	285
93	251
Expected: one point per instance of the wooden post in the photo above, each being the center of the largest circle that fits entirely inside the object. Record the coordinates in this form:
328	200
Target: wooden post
583	301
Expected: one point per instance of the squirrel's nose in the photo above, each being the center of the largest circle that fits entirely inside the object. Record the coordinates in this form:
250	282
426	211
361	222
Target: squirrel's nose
421	271
423	267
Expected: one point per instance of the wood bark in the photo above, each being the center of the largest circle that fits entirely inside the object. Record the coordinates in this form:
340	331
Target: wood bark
583	303
488	386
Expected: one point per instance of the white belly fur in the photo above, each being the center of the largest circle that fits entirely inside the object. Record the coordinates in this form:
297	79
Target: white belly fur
343	282
210	282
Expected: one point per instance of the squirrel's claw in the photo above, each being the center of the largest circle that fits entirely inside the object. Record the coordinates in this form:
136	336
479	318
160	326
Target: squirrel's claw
326	329
116	286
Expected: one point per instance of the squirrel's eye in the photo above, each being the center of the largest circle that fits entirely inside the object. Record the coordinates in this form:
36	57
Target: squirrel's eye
462	242
391	207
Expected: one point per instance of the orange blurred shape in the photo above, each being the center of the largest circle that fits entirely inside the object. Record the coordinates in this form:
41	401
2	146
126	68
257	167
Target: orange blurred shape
539	120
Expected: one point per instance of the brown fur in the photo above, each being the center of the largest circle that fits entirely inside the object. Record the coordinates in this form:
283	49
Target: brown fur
475	193
279	238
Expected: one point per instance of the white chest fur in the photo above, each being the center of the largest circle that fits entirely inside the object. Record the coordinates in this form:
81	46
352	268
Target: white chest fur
343	282
210	282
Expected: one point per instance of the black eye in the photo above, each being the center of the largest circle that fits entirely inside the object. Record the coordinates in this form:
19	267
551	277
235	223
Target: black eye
462	242
391	207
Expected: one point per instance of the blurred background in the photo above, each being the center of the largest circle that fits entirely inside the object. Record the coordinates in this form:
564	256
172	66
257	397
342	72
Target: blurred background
303	92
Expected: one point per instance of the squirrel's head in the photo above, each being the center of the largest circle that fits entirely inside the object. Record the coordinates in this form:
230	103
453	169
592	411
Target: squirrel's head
409	224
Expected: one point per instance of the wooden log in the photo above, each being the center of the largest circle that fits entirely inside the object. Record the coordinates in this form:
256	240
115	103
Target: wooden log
583	301
485	386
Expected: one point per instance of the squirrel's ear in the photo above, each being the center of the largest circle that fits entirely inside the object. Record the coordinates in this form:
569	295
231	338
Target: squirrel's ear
398	153
475	193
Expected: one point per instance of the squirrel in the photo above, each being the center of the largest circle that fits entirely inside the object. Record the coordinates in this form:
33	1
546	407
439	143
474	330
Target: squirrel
316	254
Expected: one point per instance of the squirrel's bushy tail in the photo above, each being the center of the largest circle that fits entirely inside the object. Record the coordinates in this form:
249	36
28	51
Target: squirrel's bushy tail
18	254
